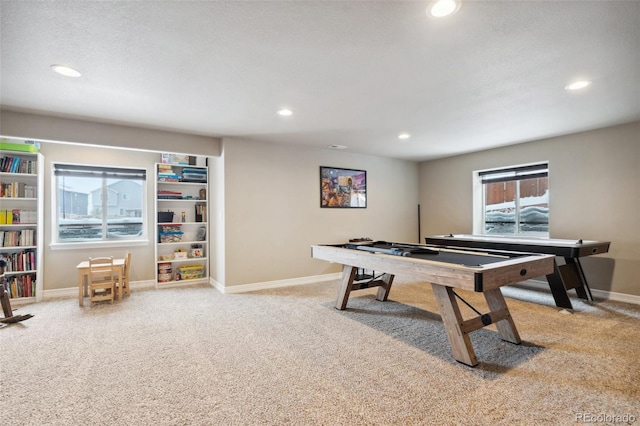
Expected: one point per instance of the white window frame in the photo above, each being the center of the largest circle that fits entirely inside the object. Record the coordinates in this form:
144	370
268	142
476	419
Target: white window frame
479	198
56	244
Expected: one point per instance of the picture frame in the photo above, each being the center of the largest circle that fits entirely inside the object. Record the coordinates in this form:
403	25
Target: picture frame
343	188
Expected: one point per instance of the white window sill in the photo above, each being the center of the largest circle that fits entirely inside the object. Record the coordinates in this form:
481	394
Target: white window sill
81	245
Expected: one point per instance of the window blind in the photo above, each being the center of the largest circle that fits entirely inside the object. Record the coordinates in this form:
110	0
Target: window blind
77	170
515	173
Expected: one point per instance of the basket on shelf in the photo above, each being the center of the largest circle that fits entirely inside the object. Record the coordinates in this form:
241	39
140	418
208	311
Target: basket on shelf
164	272
165	217
190	272
170	237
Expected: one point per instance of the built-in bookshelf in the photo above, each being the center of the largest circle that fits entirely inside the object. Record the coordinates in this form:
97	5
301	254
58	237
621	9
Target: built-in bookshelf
181	224
21	219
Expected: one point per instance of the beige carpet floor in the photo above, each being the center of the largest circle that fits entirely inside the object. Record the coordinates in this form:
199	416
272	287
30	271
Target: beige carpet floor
194	356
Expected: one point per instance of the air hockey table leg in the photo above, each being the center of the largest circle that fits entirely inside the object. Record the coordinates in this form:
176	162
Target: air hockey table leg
460	342
348	275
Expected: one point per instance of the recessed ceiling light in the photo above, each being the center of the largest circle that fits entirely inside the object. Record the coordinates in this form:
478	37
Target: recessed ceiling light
404	136
285	112
65	70
442	8
577	85
337	146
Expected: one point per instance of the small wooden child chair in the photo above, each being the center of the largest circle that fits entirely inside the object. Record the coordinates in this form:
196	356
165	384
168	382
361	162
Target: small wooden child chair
102	283
124	285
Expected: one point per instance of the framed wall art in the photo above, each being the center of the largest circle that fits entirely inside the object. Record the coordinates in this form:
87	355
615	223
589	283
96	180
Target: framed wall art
343	188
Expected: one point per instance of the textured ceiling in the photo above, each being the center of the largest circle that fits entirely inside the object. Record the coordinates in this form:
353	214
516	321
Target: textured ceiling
356	73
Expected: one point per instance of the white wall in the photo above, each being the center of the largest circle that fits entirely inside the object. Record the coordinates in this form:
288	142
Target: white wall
273	215
216	219
594	180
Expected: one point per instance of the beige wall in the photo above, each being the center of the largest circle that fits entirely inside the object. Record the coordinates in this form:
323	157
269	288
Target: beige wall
265	198
42	127
272	208
60	265
87	142
594	180
264	201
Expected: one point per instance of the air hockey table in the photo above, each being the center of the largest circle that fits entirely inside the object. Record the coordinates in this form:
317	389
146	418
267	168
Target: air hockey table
564	277
446	269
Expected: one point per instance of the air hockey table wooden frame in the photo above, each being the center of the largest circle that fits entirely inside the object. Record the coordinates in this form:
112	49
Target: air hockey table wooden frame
564	277
444	278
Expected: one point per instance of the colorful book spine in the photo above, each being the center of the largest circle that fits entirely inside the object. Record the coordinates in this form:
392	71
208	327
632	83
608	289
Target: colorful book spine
22	286
12	164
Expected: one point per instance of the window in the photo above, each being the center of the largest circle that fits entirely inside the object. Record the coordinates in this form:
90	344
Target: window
515	200
96	204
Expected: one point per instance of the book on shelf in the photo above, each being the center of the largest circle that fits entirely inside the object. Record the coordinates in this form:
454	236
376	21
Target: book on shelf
22	261
17	190
12	164
18	216
22	286
169	195
194	175
5	217
168	177
22	238
201	212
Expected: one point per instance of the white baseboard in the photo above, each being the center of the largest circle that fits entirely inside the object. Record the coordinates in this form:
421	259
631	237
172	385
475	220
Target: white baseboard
596	293
65	293
618	297
215	284
243	288
533	284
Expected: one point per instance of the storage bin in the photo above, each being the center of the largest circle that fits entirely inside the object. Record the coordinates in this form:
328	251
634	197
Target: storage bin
174	227
170	237
164	217
190	272
164	272
19	145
